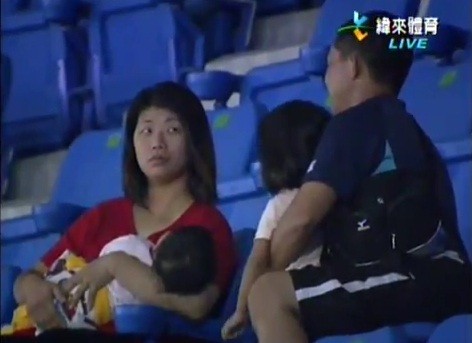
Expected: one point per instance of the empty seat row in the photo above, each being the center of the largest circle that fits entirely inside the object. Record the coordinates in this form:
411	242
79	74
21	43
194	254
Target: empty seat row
301	78
69	76
439	74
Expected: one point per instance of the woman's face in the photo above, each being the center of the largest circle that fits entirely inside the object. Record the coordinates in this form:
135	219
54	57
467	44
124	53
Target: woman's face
160	145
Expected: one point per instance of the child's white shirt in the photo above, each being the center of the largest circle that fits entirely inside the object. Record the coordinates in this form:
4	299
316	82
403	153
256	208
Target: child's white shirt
270	218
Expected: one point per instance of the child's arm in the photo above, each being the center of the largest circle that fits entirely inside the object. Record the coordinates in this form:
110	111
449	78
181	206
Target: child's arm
257	264
259	261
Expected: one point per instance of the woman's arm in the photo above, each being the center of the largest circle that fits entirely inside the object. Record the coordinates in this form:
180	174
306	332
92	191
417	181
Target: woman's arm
194	307
72	241
142	282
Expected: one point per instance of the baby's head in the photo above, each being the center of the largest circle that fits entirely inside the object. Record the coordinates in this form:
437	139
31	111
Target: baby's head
185	260
288	138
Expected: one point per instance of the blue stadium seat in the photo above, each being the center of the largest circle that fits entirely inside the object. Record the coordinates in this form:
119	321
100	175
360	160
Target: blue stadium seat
457	329
458	157
226	24
270	7
458	13
438	88
132	318
439	97
7	161
14	6
90	174
6	79
245	209
300	78
92	171
168	45
384	335
415	332
41	113
242	196
233	129
8	276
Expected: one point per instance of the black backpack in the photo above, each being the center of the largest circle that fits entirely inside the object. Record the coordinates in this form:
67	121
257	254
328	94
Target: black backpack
393	214
392	211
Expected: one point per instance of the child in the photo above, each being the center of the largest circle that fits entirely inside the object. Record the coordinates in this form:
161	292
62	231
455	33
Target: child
288	137
184	262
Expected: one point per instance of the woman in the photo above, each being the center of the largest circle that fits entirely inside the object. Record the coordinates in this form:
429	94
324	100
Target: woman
169	182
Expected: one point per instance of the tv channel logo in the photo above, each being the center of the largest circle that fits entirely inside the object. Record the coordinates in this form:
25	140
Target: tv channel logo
358	29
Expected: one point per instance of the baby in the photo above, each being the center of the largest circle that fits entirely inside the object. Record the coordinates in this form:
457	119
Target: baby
184	260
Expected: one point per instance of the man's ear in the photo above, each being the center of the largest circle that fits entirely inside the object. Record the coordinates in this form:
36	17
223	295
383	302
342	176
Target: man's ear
355	66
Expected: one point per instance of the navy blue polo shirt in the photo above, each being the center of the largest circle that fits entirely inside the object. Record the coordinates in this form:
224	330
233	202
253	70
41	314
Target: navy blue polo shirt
354	145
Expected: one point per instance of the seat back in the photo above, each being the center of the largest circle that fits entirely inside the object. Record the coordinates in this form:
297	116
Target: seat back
442	73
245	211
271	7
8	276
234	136
92	171
122	64
457	13
458	157
233	129
455	329
38	115
6	79
438	96
26	253
384	334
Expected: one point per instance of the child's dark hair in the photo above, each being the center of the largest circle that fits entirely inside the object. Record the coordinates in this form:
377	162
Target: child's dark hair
186	261
288	137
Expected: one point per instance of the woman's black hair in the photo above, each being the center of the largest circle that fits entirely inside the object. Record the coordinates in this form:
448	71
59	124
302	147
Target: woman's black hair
201	165
288	137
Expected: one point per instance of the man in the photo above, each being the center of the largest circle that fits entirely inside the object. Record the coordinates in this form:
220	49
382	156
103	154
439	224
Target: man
363	78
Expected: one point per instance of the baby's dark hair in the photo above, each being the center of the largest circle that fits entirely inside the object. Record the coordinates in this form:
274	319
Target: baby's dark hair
288	137
186	261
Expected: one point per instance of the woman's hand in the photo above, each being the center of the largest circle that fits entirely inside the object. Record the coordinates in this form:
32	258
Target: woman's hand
39	298
91	278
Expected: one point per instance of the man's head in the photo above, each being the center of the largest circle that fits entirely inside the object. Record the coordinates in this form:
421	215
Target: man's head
185	261
358	70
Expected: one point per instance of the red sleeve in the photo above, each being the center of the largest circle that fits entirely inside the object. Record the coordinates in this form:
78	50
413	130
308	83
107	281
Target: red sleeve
75	238
225	249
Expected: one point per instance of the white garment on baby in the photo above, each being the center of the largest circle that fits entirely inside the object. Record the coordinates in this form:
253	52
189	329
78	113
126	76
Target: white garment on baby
136	247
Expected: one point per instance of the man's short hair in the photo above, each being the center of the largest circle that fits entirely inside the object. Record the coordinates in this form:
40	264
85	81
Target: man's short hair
186	261
386	67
